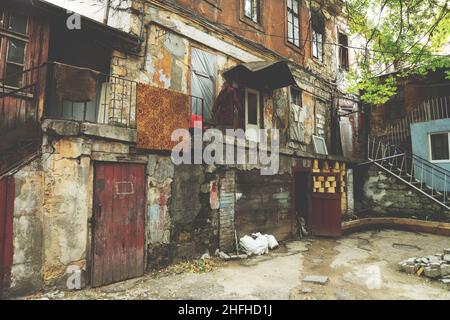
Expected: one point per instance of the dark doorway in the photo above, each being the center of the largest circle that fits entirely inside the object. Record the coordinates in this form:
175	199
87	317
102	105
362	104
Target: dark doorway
302	197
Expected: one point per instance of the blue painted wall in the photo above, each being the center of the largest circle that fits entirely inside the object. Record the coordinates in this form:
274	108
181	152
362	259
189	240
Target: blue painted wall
421	147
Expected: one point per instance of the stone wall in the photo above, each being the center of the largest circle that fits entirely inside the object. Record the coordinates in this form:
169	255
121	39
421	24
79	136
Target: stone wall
379	194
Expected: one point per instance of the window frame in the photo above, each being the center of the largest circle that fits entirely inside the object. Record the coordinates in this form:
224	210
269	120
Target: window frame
430	147
289	12
258	111
343	52
258	11
318	44
300	93
6	36
316	140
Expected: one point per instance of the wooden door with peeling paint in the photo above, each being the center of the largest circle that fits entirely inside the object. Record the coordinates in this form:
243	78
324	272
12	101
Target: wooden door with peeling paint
7	194
118	223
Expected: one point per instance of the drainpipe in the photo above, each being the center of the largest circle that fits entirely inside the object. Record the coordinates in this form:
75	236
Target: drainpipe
106	17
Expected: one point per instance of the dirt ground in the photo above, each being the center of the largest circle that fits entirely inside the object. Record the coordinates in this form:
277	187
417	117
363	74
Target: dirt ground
359	266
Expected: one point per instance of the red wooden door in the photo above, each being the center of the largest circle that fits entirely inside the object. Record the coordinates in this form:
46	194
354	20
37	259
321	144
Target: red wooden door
7	193
118	223
326	214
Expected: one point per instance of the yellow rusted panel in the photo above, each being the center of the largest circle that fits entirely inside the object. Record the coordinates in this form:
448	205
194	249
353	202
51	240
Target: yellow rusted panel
159	113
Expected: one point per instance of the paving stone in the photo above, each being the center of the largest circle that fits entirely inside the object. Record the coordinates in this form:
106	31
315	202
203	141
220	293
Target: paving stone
445	270
432	272
433	259
306	290
316	279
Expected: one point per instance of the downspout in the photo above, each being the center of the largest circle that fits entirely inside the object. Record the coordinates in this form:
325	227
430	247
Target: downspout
108	7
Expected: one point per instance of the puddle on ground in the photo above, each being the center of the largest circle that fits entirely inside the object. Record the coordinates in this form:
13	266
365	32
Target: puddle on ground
405	247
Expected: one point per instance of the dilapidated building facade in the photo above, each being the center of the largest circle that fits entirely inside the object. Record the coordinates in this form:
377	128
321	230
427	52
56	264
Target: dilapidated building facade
87	176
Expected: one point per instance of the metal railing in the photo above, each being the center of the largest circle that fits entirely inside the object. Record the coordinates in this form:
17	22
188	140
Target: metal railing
420	174
114	101
433	109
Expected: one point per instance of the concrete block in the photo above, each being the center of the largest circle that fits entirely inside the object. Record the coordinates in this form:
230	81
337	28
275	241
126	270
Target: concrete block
109	132
61	127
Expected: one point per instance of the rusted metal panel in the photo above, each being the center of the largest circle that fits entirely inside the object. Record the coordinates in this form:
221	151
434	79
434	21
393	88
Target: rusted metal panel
7	194
159	113
326	215
263	204
118	223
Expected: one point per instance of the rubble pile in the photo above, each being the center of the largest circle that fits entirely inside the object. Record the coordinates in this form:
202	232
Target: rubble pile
434	266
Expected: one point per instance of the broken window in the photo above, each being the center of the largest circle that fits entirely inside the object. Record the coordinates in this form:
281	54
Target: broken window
293	27
439	145
252	10
296	96
343	52
318	32
13	44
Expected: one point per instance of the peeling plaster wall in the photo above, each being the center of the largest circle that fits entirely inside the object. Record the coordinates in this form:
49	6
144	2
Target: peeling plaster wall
27	229
66	207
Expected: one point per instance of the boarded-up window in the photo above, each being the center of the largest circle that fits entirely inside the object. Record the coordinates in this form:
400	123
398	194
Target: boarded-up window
203	82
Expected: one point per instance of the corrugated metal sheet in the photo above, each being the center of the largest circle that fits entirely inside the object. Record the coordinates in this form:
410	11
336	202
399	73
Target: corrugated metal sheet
159	113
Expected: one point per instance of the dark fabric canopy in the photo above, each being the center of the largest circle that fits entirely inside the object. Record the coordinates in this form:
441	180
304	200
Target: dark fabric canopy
264	75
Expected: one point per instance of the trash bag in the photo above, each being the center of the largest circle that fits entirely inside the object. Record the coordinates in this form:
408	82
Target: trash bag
273	243
257	246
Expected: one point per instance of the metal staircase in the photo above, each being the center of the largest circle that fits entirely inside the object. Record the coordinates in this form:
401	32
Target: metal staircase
425	177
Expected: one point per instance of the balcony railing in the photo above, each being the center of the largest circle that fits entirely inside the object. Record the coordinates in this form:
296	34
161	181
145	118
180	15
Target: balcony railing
85	95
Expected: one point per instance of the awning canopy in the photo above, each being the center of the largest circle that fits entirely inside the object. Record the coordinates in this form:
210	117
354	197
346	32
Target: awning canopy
264	75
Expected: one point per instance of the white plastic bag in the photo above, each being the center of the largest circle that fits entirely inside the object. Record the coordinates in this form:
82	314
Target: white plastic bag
257	246
273	243
263	244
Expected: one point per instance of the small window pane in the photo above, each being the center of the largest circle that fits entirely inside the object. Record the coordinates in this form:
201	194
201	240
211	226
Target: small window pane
439	147
16	51
296	97
248	8
18	23
13	75
252	108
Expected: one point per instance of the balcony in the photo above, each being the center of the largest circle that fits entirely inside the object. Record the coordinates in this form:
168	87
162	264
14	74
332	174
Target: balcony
86	95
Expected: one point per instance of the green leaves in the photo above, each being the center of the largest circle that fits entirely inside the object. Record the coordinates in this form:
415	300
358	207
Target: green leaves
406	36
